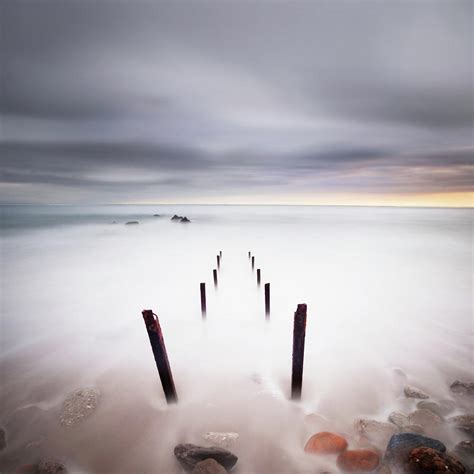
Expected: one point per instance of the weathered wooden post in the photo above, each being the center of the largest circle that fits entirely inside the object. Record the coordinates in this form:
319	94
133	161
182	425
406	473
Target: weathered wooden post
258	276
299	332
218	261
159	351
249	255
267	299
214	272
203	300
253	262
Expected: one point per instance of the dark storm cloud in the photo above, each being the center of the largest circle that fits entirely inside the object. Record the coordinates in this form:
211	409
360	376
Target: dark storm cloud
184	96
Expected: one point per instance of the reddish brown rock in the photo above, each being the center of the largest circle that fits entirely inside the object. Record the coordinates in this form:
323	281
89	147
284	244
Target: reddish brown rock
325	443
361	460
422	460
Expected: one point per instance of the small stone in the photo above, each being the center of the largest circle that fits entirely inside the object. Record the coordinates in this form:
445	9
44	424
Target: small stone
325	443
209	466
398	419
3	439
78	406
429	460
361	460
224	439
462	388
413	392
463	423
132	223
376	432
424	418
50	467
401	444
190	454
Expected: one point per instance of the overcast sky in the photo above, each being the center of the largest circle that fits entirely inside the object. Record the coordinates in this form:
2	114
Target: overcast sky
249	101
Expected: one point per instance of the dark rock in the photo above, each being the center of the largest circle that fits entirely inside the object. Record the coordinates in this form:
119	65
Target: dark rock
401	444
50	467
176	218
132	223
462	388
209	466
190	454
185	220
360	460
429	460
413	392
3	439
156	215
463	423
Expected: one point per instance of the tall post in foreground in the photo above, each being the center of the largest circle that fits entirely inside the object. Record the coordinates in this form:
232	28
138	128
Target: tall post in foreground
214	272
253	262
258	276
159	351
299	332
218	261
267	299
203	300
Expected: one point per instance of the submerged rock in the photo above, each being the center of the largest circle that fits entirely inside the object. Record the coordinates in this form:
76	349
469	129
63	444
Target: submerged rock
222	439
190	454
375	431
398	419
209	466
441	408
401	444
176	218
325	443
417	429
132	223
78	406
465	452
462	388
358	460
3	439
413	392
156	215
463	423
424	418
429	460
50	467
184	220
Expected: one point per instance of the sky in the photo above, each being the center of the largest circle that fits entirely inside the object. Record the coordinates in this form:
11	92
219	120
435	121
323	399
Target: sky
236	102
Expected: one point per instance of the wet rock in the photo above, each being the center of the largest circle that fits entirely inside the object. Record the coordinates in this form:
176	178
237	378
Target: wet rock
413	392
50	467
424	418
383	468
465	452
209	466
376	432
78	406
361	460
222	439
401	444
441	409
184	220
429	460
132	223
462	388
325	443
463	423
3	439
156	215
190	454
398	419
417	429
176	218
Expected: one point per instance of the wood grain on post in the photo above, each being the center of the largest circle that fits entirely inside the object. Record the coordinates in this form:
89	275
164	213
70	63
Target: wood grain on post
203	299
267	299
299	332
214	272
258	276
161	357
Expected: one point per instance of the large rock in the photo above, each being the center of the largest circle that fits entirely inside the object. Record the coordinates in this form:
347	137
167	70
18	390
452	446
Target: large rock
413	392
424	418
429	460
325	443
401	444
190	454
176	218
462	388
78	406
209	466
376	432
360	460
463	423
185	220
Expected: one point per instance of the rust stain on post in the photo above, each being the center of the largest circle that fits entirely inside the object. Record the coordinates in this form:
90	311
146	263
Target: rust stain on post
267	299
203	300
161	357
299	332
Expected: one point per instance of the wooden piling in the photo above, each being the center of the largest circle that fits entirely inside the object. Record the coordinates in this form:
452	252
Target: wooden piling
267	299
220	254
218	261
159	351
299	332
203	300
214	272
253	262
249	255
258	276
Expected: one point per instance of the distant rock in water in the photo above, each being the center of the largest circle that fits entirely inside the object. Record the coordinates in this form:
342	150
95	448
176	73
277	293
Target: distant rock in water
185	220
462	388
190	454
413	392
426	460
78	406
209	466
156	215
132	222
176	218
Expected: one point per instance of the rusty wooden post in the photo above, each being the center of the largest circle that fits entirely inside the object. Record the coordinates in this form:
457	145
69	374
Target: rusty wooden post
214	272
299	331
218	261
258	276
203	300
253	262
267	299
159	351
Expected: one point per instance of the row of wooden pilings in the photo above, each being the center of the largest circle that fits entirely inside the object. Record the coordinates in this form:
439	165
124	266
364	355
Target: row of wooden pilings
157	342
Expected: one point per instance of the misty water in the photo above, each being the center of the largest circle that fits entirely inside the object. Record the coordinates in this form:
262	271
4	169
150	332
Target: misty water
389	303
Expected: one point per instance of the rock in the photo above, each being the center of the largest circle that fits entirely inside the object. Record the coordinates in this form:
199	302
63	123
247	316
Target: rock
184	220
156	215
429	460
176	218
209	466
441	409
424	418
375	431
463	423
224	439
413	392
384	468
50	467
358	460
401	444
413	429
465	452
78	406
132	223
398	419
325	443
462	388
36	442
3	439
190	454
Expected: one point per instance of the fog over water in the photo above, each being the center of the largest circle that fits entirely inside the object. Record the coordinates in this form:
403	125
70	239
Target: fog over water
386	288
